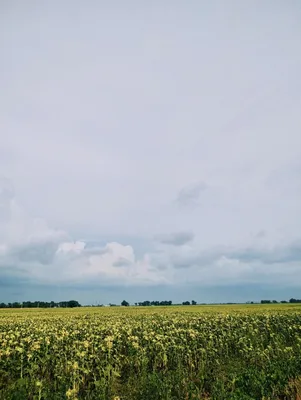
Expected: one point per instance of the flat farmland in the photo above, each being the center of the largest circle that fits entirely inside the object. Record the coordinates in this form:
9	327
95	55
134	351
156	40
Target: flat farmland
176	352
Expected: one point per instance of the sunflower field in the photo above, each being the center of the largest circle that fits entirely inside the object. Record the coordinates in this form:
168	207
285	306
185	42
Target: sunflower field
151	353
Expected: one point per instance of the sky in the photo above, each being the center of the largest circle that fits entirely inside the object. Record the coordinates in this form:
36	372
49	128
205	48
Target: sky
150	150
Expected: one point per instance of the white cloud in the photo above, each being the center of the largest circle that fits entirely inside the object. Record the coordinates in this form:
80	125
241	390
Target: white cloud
67	247
44	255
49	256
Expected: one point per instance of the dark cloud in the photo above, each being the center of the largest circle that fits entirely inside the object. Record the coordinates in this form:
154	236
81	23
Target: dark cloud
96	250
201	259
98	294
37	252
190	195
280	254
276	255
176	238
122	262
182	264
11	276
260	234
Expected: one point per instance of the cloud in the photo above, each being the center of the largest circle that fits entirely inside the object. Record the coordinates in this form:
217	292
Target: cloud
257	264
189	196
42	252
6	190
194	156
6	196
176	238
32	252
260	234
286	177
281	254
195	259
275	255
29	248
122	262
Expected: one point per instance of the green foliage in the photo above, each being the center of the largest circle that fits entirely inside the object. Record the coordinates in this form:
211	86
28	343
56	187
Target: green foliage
42	304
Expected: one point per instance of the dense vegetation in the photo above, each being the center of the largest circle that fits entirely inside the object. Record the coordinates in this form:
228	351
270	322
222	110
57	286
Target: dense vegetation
41	304
162	353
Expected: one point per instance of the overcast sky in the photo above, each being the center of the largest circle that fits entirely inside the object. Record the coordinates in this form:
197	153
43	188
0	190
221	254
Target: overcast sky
150	150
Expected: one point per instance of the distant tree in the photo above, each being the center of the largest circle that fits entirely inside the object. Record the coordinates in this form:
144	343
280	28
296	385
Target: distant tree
125	303
148	303
193	302
186	303
73	303
265	302
295	301
166	303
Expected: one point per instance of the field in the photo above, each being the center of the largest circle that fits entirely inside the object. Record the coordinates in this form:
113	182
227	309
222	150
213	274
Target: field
151	353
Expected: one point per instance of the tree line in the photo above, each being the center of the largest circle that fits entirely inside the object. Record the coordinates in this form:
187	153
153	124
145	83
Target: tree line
282	301
42	304
148	303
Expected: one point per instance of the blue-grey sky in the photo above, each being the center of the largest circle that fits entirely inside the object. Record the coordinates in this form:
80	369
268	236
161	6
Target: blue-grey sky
150	150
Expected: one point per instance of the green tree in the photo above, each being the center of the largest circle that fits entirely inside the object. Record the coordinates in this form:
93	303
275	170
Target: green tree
73	303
